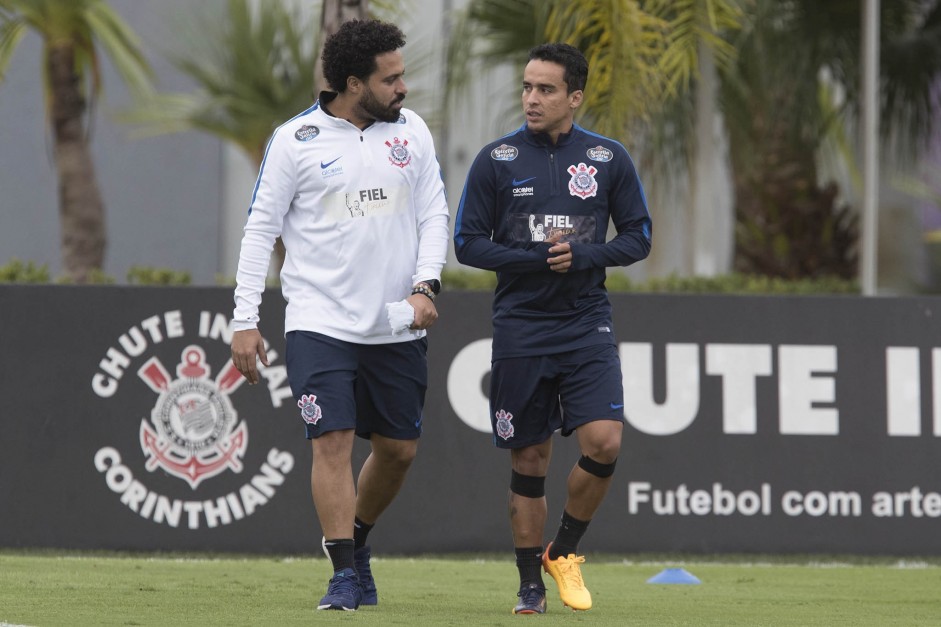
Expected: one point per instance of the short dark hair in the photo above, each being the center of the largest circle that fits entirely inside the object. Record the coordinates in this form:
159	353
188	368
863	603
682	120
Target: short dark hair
352	50
570	58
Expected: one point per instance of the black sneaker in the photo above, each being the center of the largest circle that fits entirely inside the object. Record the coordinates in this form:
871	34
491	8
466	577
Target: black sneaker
532	599
343	592
366	583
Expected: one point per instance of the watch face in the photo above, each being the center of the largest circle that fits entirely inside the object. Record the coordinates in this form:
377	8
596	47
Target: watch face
435	285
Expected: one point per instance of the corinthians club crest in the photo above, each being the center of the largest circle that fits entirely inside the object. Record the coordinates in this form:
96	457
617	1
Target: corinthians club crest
192	433
504	422
398	152
583	183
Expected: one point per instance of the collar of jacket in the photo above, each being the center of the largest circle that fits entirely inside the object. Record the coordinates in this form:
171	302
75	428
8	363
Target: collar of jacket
542	139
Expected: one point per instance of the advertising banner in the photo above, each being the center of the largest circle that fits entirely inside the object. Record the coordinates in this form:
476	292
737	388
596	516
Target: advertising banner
752	424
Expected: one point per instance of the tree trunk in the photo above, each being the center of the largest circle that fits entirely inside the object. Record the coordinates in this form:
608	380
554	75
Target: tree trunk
81	210
333	13
787	225
710	214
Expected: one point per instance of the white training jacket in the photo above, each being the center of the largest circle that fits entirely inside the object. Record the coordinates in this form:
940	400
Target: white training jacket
363	217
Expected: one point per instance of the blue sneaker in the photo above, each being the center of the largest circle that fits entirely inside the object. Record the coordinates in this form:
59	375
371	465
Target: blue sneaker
343	592
532	599
366	583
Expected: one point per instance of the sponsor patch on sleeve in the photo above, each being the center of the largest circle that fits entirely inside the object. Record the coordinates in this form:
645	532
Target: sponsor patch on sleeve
600	153
306	133
504	152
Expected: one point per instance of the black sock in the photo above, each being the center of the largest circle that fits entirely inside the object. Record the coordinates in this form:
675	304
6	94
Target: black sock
341	553
360	531
529	563
570	533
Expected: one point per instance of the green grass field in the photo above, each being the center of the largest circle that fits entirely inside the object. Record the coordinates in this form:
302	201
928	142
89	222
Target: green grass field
46	588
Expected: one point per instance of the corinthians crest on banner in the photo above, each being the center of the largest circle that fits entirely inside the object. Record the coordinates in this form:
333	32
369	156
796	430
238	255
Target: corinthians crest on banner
190	430
192	433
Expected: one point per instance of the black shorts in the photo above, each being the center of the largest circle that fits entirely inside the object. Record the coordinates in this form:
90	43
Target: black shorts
532	397
372	388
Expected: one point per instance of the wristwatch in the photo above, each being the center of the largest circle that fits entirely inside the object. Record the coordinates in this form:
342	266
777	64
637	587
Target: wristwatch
434	284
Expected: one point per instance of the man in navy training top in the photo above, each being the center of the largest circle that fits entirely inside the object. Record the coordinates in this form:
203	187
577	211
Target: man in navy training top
535	209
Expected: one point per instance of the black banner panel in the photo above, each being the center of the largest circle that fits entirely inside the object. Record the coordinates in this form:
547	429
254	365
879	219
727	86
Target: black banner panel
753	424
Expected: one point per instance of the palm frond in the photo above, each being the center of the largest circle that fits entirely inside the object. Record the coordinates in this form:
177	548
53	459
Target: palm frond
911	71
252	68
690	24
622	43
122	46
12	31
83	25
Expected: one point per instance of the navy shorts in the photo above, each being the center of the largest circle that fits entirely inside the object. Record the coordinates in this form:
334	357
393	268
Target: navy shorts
532	397
371	388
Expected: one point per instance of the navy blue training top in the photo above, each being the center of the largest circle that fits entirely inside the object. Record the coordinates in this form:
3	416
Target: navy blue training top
520	189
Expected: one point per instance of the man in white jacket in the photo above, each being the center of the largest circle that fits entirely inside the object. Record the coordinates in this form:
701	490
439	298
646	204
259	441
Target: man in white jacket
353	188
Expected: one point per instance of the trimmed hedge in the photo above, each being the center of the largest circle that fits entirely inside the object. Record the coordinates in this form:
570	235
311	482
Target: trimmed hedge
724	284
17	271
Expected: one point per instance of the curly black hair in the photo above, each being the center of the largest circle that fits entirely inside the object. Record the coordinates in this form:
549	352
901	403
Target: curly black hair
569	57
352	50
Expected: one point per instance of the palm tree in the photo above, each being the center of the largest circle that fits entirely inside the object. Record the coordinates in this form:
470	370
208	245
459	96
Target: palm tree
682	137
780	107
74	33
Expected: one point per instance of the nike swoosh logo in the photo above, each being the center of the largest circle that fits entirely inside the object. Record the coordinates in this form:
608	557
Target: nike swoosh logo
614	406
515	182
324	166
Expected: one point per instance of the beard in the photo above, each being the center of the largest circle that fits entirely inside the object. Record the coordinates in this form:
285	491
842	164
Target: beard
378	111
